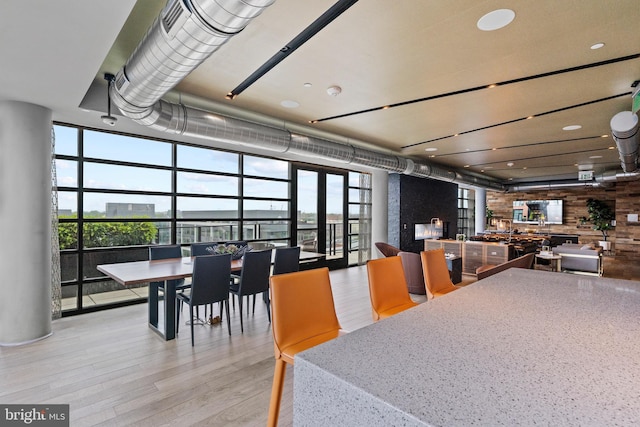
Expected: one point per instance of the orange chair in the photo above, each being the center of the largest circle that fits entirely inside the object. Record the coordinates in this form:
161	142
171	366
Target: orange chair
436	274
303	316
388	287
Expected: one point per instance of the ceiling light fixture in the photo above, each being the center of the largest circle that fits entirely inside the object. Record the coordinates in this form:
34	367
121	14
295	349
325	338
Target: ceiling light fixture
334	90
431	149
287	103
109	119
307	85
495	20
510	164
572	127
597	46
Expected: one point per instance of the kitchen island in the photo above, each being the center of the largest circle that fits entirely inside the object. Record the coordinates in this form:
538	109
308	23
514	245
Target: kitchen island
522	347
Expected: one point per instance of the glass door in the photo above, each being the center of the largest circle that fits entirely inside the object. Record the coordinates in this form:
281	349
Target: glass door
321	206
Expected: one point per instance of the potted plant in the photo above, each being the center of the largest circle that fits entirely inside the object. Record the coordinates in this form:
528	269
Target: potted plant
600	215
488	215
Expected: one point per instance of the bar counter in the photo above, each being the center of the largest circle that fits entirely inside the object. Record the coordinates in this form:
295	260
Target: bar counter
522	347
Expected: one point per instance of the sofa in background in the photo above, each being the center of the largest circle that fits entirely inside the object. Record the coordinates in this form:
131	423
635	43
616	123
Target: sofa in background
578	258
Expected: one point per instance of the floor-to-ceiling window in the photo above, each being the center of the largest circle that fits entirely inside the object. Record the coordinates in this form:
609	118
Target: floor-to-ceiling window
359	229
321	204
119	194
466	211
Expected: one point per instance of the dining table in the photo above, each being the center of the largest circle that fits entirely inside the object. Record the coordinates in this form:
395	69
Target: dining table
167	271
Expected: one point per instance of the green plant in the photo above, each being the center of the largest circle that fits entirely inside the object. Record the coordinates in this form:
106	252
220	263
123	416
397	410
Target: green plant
600	215
488	214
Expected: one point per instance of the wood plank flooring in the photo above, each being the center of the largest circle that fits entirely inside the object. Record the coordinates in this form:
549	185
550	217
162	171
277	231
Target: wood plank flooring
114	371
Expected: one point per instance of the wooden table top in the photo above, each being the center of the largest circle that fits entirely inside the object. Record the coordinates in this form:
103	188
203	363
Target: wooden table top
131	273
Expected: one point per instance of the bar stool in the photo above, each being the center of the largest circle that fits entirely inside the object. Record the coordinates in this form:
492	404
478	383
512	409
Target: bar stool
303	316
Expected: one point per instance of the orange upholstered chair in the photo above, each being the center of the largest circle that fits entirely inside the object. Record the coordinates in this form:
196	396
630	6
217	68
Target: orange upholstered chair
436	274
303	316
388	287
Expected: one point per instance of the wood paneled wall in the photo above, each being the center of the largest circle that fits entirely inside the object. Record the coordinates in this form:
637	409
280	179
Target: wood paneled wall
623	197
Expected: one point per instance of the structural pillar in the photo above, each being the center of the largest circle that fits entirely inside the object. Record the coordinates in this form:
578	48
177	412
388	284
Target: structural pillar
25	223
481	209
379	209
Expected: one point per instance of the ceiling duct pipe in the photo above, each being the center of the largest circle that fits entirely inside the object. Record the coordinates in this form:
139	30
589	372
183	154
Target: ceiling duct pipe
550	185
185	34
624	128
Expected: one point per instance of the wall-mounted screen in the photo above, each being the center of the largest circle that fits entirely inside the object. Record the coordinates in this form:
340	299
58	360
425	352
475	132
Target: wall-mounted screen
540	212
427	231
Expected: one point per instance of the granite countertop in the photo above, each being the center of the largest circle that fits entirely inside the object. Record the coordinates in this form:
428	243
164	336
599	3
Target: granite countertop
521	347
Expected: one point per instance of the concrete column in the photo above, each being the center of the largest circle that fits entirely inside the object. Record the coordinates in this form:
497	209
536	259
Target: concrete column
25	224
481	209
379	209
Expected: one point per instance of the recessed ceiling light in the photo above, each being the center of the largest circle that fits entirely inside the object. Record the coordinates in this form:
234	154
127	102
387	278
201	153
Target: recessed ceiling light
466	166
572	127
287	103
604	136
595	157
510	164
431	149
612	148
495	20
597	46
307	85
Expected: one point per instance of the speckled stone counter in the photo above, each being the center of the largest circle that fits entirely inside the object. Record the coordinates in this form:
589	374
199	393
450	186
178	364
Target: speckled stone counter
522	347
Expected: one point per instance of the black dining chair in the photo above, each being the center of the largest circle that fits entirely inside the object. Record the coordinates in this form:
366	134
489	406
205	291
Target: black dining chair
286	260
198	249
167	252
209	284
253	280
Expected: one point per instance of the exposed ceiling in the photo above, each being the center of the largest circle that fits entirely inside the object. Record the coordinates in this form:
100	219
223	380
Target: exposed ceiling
427	60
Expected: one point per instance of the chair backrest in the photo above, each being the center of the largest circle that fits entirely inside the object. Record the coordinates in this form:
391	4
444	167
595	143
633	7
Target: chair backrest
412	265
199	249
387	284
166	252
436	273
256	269
386	249
301	307
210	280
286	260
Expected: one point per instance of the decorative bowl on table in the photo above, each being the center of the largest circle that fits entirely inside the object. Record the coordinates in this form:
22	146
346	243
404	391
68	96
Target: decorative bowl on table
236	251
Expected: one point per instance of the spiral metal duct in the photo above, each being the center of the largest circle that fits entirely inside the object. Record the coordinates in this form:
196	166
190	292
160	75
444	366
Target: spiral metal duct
624	128
185	34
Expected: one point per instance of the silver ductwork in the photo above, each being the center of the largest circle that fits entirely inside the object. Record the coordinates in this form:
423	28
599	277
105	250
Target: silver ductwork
624	128
605	180
185	34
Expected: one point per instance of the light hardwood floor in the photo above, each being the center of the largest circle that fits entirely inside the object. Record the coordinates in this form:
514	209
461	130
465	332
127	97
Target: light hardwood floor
114	371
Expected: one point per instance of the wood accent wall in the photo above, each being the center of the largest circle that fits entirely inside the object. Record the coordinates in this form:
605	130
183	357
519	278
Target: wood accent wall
623	197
